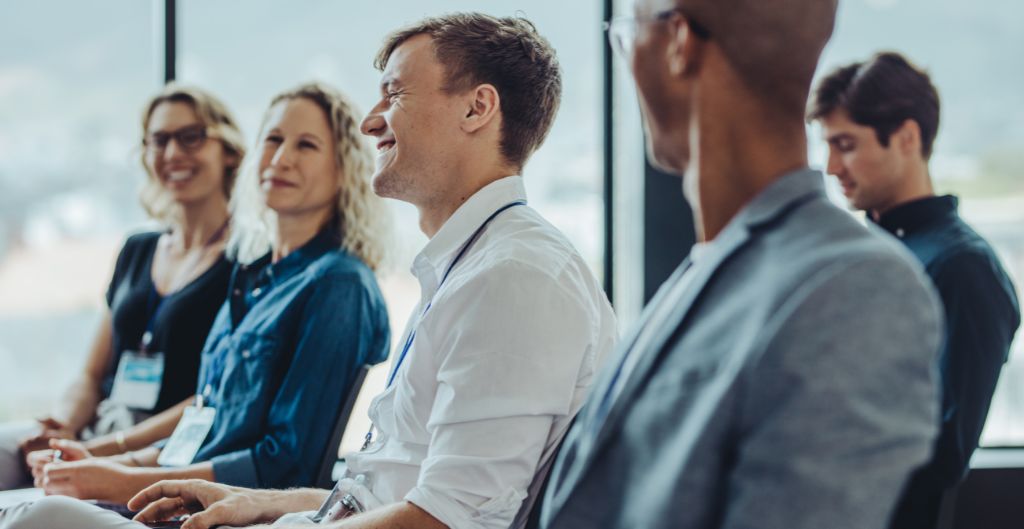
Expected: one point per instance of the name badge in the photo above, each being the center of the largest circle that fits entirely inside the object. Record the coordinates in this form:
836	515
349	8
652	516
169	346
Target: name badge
188	437
138	380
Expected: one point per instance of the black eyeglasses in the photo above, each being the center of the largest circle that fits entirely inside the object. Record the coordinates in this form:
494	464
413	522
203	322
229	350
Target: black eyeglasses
622	30
189	138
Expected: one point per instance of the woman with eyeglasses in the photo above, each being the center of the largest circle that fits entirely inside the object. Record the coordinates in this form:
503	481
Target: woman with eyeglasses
166	289
303	315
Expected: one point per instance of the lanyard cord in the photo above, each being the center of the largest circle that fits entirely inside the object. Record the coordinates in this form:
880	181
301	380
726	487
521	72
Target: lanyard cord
412	333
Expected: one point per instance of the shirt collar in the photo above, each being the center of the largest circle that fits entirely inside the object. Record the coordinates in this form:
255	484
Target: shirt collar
467	219
326	240
911	217
791	189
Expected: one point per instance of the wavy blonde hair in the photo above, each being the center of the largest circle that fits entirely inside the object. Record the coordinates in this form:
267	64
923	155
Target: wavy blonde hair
220	125
364	220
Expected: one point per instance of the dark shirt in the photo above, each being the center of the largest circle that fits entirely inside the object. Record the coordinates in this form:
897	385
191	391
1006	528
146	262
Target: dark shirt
281	358
182	321
982	315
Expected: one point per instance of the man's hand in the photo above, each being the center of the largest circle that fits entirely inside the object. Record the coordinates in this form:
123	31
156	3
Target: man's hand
208	504
91	479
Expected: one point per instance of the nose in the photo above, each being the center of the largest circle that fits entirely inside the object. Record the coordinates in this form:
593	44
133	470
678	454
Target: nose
172	150
373	124
835	163
283	155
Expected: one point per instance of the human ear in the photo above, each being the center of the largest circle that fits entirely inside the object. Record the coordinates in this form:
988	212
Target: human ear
484	105
684	49
908	138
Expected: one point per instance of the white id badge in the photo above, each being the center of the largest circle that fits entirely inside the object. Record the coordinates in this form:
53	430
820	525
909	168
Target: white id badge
138	380
188	437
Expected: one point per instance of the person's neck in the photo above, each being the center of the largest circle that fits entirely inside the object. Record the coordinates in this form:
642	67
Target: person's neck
294	231
737	154
200	221
917	184
435	214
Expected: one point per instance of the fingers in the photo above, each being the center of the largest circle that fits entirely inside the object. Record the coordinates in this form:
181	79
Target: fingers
162	509
71	450
206	519
50	423
163	489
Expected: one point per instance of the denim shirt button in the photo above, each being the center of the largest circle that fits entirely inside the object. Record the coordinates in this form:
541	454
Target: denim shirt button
246	353
256	292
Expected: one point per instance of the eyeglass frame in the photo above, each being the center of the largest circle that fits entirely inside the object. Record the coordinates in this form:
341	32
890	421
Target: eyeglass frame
152	143
616	39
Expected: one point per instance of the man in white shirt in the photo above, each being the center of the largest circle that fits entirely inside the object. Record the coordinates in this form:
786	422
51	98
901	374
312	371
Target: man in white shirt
511	327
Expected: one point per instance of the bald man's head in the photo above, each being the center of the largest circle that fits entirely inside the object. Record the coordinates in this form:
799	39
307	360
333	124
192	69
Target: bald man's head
773	45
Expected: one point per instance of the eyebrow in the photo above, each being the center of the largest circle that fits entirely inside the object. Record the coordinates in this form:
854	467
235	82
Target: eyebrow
388	82
836	138
183	127
310	136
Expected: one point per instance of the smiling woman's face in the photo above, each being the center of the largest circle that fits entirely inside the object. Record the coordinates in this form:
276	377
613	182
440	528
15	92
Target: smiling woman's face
298	174
180	155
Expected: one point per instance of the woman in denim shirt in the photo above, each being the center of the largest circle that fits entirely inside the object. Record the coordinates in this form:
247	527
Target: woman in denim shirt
303	314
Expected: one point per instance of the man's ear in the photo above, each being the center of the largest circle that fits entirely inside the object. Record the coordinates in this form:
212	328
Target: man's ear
484	105
907	138
684	48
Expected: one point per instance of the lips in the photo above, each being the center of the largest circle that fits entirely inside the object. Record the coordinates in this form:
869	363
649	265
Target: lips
385	145
270	179
179	175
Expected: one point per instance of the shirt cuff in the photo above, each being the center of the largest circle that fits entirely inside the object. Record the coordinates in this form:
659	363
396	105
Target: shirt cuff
496	513
236	468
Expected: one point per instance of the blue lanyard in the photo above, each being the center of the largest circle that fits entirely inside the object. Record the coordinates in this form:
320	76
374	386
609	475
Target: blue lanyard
465	247
412	334
153	306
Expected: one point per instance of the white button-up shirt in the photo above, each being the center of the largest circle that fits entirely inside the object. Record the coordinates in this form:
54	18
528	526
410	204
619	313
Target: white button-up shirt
500	364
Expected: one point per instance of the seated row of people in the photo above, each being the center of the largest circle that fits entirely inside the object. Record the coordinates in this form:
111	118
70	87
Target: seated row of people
784	377
302	315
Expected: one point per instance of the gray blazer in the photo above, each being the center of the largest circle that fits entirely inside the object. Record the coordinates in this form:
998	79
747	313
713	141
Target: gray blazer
791	385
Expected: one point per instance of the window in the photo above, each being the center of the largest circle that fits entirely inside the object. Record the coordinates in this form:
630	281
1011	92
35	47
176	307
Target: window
72	85
248	51
973	55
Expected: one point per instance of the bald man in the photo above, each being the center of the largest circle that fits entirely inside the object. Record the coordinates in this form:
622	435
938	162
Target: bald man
784	377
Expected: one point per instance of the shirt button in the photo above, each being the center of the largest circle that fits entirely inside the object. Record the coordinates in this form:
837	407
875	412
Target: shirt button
238	292
899	232
256	292
246	353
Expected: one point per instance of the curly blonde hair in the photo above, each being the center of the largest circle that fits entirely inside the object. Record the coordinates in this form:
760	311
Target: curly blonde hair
364	220
220	124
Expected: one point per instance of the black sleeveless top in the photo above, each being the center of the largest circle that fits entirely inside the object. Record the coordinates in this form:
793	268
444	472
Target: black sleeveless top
183	318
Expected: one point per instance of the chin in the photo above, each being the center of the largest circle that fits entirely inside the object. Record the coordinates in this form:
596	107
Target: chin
662	161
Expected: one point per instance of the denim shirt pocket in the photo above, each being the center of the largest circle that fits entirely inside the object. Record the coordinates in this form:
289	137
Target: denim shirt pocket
247	369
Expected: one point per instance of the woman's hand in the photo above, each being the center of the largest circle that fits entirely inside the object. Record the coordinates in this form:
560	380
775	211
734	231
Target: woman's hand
51	429
94	478
69	451
208	504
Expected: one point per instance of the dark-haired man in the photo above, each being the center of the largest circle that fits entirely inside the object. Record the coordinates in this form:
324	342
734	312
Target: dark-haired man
880	118
783	377
510	329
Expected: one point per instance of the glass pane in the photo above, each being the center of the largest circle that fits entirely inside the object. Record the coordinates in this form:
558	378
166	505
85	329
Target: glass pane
273	46
972	52
70	97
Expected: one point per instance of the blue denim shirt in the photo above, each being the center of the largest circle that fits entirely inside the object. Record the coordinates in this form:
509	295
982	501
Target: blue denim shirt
280	358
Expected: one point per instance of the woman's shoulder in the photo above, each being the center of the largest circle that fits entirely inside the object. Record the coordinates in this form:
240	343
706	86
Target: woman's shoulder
340	265
140	244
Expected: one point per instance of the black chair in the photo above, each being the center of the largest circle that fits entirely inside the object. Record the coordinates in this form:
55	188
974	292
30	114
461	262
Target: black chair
330	456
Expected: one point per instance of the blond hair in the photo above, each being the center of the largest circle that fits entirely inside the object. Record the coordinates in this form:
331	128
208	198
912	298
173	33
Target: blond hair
363	218
220	125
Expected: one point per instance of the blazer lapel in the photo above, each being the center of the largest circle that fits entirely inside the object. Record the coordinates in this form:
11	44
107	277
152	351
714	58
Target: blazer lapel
654	347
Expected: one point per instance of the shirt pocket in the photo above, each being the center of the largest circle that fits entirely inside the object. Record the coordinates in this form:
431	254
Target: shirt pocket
248	369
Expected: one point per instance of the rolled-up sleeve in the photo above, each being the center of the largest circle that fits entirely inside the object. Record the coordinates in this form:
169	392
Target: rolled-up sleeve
505	373
340	328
